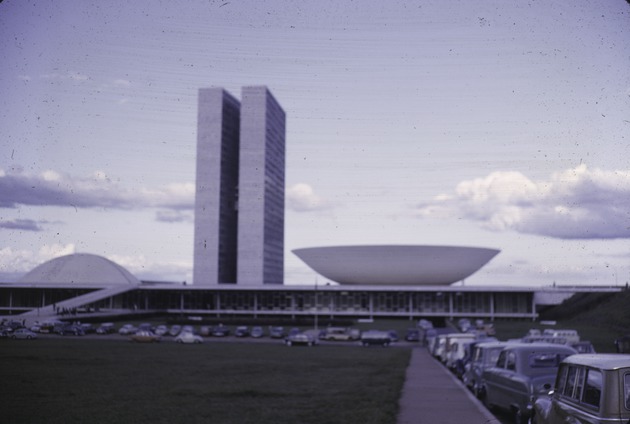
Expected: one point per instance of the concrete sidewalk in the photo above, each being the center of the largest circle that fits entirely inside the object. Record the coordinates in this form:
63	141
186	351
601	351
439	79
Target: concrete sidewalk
432	395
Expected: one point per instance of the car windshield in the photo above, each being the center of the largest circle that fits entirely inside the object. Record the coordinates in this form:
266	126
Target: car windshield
546	360
491	355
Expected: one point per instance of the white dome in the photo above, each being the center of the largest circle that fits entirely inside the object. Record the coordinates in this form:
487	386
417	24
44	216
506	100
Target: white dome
396	265
80	268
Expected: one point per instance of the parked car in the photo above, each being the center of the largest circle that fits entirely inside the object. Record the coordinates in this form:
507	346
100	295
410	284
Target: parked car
69	329
175	330
220	331
257	332
583	347
205	330
449	341
23	333
276	332
571	336
127	329
375	337
146	326
589	388
161	330
523	372
241	331
457	350
301	338
188	337
106	328
145	336
413	335
483	356
88	328
340	334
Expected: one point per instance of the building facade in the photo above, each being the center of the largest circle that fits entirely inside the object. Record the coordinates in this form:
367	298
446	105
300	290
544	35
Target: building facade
239	204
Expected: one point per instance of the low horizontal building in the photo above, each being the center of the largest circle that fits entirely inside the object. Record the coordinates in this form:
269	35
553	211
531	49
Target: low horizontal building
91	286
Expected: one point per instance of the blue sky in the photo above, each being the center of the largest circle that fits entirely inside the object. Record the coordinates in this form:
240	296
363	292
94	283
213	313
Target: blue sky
501	124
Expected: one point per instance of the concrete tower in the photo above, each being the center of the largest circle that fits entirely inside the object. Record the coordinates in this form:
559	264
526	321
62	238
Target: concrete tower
216	221
261	189
239	205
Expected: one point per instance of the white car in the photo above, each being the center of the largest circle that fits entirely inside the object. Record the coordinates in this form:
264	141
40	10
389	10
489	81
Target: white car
127	330
188	337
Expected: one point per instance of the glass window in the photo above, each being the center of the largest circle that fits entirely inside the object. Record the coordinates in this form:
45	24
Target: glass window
545	360
570	385
593	388
511	361
501	361
579	383
562	378
626	390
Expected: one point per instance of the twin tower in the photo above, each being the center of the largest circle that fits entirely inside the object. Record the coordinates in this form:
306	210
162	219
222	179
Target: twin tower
239	205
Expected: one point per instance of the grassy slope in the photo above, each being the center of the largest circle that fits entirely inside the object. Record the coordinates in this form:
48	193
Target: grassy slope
599	318
79	381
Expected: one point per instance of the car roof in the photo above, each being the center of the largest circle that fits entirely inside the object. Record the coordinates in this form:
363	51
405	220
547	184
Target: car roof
605	361
539	347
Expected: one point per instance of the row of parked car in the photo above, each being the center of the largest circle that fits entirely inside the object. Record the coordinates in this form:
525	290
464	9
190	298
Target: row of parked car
540	378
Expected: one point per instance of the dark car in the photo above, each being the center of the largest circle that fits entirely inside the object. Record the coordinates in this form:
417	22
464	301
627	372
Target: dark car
413	335
69	330
241	331
523	372
301	339
220	331
376	338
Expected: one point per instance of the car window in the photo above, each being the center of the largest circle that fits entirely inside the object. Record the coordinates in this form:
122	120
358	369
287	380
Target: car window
492	355
545	360
511	361
593	388
562	378
626	389
501	361
579	383
570	383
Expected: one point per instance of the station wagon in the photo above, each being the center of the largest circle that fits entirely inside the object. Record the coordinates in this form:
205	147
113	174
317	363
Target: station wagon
589	388
523	372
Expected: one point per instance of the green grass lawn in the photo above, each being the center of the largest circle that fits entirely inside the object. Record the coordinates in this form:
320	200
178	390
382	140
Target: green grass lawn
107	381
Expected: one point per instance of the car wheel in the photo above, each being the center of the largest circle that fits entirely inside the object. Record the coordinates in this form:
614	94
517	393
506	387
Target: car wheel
29	337
288	343
477	390
519	418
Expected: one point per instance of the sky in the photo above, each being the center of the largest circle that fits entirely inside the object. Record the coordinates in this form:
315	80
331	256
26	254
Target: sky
491	123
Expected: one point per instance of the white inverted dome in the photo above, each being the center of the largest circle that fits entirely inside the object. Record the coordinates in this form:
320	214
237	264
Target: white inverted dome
80	268
396	265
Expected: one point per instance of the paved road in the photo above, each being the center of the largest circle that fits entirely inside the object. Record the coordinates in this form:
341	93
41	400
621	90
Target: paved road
432	395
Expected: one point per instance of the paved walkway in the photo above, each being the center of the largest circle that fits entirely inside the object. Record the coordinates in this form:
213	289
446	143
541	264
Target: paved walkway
432	395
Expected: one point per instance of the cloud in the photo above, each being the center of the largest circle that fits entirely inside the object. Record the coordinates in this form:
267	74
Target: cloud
21	224
16	263
302	198
51	188
577	203
173	216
